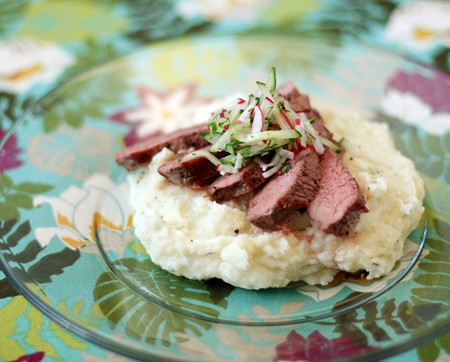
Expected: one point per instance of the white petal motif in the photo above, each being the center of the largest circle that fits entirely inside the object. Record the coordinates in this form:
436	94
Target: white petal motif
405	106
222	10
438	124
165	111
25	62
420	24
74	212
45	235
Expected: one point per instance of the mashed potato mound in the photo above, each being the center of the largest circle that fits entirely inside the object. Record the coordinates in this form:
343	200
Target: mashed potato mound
188	234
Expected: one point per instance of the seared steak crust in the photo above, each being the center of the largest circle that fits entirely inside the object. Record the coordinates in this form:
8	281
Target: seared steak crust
141	154
233	185
189	172
299	102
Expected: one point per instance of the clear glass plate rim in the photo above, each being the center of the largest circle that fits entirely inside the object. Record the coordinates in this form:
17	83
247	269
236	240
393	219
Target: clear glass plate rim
305	319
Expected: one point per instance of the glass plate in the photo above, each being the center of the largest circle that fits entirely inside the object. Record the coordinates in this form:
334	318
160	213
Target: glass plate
67	241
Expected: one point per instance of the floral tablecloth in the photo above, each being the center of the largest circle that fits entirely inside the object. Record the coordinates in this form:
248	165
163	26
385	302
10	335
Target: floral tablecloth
46	42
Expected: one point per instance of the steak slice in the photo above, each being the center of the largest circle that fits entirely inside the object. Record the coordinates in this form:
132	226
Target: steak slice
318	124
299	102
141	154
233	185
339	202
283	194
289	91
189	172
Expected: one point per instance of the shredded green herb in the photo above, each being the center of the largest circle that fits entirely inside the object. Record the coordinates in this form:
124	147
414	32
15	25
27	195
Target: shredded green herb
263	125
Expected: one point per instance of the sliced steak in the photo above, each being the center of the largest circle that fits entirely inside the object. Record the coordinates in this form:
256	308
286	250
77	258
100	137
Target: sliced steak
194	172
339	202
318	124
289	91
299	102
233	185
283	194
141	154
190	172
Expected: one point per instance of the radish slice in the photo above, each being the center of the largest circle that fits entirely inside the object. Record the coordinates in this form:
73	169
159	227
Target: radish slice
258	121
266	125
288	154
274	169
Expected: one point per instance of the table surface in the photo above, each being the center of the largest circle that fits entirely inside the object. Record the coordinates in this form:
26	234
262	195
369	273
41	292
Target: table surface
91	32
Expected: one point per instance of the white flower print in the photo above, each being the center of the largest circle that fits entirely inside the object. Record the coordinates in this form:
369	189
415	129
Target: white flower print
418	25
222	10
78	213
414	111
26	62
166	112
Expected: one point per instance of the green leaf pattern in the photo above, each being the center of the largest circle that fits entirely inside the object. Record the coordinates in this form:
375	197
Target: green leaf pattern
145	320
10	15
15	197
